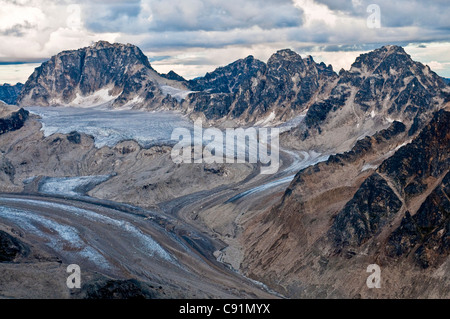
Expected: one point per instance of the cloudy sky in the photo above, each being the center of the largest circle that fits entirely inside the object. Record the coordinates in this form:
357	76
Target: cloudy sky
193	37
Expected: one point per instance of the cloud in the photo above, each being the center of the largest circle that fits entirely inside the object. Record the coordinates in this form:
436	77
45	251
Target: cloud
42	27
191	32
402	13
191	15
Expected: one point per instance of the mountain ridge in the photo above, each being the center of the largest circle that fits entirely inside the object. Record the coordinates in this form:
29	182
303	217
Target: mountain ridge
339	216
245	91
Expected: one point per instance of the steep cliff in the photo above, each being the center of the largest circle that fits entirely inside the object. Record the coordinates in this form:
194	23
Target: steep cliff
115	74
339	216
250	90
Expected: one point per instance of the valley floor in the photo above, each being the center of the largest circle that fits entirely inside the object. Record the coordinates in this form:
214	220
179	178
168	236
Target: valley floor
185	246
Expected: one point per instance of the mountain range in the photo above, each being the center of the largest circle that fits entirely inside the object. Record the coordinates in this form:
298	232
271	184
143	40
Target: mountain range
381	86
382	196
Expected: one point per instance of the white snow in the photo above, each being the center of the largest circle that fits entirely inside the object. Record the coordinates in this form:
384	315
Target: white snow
110	127
60	237
148	244
136	100
67	186
176	93
368	166
100	97
267	120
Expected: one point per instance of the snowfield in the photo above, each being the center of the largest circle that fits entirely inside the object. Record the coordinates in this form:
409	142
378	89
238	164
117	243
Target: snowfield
111	127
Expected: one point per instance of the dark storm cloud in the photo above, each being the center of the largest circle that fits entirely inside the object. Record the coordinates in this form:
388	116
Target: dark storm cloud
17	30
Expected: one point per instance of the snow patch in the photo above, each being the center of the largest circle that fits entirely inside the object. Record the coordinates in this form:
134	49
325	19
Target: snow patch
267	120
99	97
70	186
176	93
368	166
109	127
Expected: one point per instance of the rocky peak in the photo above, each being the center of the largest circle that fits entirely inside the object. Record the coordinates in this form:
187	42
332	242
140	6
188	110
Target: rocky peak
285	54
120	51
105	44
173	76
368	62
249	88
101	73
384	84
286	60
308	60
228	78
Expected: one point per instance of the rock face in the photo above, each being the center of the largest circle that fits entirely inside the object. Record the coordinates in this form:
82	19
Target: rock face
384	79
340	215
118	74
426	235
373	205
407	171
13	121
381	86
249	89
173	76
9	93
227	79
117	289
10	247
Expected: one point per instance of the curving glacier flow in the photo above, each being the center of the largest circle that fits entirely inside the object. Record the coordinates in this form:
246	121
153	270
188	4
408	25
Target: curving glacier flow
146	242
62	238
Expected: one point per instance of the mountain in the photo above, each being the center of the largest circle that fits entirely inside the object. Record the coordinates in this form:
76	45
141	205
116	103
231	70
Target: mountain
9	93
381	86
173	76
385	202
381	197
117	74
227	79
249	89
